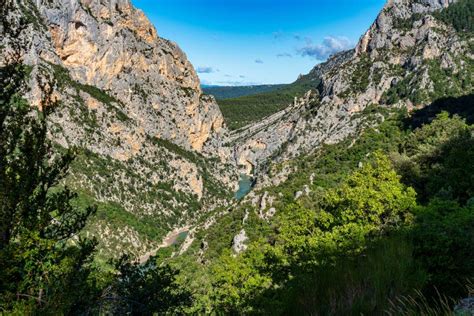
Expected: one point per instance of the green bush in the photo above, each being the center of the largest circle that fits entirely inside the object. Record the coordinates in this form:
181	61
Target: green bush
460	15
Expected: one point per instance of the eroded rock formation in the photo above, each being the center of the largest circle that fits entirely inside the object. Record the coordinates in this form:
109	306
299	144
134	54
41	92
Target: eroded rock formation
403	47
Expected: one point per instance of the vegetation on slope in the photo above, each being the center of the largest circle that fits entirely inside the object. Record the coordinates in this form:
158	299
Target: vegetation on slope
63	79
387	216
460	15
130	202
241	111
447	83
46	263
224	92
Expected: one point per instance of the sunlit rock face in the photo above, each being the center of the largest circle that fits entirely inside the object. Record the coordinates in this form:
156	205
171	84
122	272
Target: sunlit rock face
403	47
129	97
113	46
384	30
132	102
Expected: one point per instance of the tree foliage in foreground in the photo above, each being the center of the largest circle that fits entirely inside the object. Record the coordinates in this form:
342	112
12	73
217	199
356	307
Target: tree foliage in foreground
46	266
388	218
368	204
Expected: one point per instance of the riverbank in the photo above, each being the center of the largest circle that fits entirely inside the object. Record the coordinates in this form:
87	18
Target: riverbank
167	241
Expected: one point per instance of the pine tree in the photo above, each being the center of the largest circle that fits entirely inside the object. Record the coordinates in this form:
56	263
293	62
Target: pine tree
42	267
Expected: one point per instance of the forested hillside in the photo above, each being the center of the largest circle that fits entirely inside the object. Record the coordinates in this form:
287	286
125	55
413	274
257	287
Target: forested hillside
229	92
117	173
380	224
244	110
461	16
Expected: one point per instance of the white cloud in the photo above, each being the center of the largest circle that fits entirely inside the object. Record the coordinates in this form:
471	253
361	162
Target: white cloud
206	70
237	83
328	47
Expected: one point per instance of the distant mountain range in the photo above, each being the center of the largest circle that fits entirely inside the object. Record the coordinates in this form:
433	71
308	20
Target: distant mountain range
228	92
252	103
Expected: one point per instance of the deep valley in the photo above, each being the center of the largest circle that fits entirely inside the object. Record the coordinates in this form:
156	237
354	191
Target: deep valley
126	188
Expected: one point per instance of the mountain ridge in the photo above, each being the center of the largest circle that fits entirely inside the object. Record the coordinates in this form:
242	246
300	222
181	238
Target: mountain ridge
353	82
168	144
228	92
356	198
143	134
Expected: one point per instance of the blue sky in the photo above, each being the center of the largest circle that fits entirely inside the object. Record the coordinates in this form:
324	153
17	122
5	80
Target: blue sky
241	42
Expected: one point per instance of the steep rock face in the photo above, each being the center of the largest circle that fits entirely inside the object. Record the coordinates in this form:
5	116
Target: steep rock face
132	103
406	47
307	123
384	29
111	45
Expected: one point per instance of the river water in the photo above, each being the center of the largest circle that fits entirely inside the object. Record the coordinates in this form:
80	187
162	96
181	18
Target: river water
245	185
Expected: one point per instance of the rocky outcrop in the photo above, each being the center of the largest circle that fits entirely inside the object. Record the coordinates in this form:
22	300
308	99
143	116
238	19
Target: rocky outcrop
403	48
238	243
113	46
386	28
132	102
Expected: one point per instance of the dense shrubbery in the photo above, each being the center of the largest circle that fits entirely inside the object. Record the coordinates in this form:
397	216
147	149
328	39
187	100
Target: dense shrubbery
364	239
314	242
460	15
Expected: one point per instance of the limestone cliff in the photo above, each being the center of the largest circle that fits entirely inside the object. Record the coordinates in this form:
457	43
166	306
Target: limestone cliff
154	151
132	103
408	58
111	45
